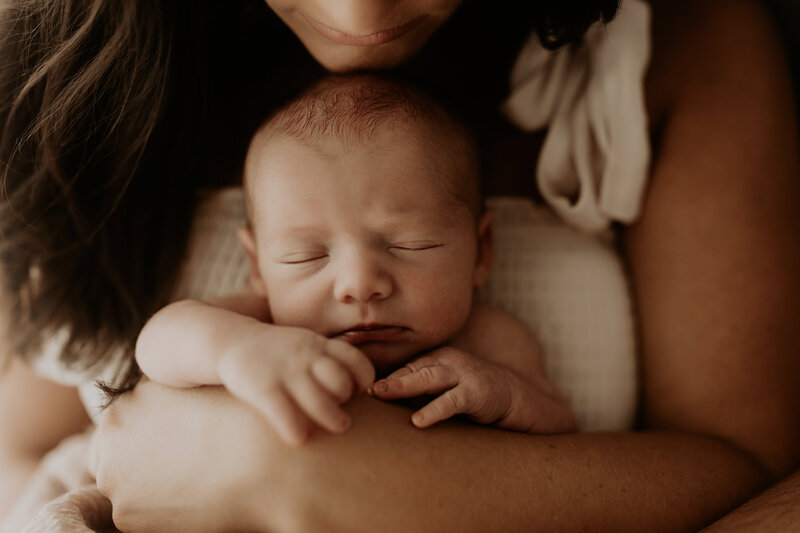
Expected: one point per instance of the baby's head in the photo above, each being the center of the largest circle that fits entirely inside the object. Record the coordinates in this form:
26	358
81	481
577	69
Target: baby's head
366	217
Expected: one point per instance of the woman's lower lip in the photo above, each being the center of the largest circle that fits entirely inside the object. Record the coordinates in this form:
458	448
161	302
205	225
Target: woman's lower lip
383	334
372	39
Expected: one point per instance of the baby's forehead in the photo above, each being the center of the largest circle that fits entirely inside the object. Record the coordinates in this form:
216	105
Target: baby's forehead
417	166
355	113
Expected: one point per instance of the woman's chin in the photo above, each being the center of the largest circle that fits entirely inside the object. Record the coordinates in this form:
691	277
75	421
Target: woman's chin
353	58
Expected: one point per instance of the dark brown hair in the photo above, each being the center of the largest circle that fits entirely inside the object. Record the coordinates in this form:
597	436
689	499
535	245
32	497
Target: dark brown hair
94	208
109	115
560	22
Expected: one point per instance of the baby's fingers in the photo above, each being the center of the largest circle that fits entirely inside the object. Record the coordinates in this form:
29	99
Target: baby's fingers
449	404
354	360
291	424
410	381
334	378
318	404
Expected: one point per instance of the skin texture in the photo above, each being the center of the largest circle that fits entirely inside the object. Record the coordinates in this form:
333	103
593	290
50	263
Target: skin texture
714	262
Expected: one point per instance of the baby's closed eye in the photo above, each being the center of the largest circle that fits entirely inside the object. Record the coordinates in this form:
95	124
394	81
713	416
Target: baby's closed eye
297	258
415	246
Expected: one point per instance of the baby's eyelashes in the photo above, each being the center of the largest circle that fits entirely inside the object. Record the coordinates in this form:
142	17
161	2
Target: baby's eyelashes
302	257
310	257
415	246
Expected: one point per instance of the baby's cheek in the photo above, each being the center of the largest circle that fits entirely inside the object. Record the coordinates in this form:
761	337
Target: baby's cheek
446	313
291	309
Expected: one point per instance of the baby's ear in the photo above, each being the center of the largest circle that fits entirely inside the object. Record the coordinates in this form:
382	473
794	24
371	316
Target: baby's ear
483	261
248	241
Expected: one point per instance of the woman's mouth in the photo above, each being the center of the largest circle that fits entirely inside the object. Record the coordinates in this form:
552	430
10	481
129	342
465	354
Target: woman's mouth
372	39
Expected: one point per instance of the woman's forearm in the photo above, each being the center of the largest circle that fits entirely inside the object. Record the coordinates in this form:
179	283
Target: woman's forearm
385	475
212	461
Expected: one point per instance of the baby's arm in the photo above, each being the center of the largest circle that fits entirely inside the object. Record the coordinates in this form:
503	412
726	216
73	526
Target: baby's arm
182	344
492	371
296	378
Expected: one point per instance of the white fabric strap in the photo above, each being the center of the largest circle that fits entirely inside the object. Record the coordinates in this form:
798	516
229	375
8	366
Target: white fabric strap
594	162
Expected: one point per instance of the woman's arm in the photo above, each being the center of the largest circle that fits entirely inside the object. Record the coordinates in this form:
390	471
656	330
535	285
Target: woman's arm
35	415
714	263
715	256
385	475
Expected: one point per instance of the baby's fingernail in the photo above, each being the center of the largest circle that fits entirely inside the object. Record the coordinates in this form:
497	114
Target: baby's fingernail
417	419
381	386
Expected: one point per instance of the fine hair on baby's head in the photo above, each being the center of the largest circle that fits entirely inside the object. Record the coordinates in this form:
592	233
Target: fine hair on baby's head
355	110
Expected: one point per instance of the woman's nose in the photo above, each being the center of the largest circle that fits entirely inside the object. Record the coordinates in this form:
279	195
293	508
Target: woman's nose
362	279
361	17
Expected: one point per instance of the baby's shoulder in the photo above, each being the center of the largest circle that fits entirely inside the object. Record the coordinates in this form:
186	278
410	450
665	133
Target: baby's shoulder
488	324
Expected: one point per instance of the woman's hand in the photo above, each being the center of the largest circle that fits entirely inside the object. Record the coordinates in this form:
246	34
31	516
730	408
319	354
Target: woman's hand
182	460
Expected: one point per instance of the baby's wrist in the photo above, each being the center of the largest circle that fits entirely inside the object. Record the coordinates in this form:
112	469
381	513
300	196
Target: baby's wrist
241	339
538	409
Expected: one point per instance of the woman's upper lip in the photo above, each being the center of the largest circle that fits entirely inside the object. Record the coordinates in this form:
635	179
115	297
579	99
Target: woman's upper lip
372	39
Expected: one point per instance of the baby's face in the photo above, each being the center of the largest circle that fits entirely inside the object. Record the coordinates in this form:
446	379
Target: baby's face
366	244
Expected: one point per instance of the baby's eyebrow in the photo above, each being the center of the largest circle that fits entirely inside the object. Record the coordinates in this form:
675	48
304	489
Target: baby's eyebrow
301	230
298	232
418	218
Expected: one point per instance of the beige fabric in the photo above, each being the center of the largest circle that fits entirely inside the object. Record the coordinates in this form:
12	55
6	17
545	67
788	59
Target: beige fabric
571	289
594	162
215	263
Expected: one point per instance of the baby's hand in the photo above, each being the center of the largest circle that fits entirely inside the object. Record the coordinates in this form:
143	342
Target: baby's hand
488	393
296	378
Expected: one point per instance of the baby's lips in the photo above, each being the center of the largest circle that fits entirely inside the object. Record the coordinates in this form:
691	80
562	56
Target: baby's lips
367	334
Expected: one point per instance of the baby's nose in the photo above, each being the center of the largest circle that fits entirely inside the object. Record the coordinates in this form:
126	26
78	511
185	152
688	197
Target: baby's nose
362	280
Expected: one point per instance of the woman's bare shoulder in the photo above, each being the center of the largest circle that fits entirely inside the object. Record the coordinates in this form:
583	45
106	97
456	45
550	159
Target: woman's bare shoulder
714	48
714	255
